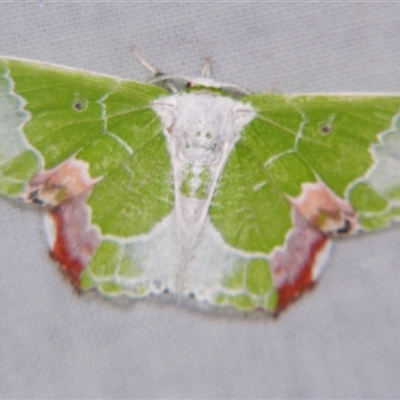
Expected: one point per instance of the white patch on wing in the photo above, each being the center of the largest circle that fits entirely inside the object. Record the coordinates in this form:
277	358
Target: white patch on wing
385	173
321	260
50	230
158	254
12	117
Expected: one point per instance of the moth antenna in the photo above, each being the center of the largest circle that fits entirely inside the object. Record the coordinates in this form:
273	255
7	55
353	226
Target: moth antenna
206	71
147	65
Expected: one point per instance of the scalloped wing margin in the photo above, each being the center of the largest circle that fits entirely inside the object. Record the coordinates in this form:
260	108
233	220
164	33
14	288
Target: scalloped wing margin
91	150
88	148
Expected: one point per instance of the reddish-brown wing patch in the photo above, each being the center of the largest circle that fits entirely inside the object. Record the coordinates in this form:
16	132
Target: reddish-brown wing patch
318	214
64	191
294	266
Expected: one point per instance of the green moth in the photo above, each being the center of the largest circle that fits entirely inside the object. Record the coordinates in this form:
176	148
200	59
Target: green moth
194	187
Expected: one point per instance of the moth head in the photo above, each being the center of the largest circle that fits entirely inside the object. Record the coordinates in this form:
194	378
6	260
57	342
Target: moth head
177	84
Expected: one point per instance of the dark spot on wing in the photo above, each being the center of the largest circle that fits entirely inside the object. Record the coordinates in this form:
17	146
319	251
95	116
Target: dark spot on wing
346	228
325	129
78	106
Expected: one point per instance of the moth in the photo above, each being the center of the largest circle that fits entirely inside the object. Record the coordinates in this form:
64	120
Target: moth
194	187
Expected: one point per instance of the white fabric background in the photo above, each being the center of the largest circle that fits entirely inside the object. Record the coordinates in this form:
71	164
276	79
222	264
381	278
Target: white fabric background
340	340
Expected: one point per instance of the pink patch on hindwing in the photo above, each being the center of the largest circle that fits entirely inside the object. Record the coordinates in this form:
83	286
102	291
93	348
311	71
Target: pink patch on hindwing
317	214
64	191
325	210
293	266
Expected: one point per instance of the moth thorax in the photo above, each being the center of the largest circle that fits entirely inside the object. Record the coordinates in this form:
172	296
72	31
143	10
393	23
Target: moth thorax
202	125
201	130
200	149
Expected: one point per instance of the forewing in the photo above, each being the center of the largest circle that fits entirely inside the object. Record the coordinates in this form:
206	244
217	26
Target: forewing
307	168
90	150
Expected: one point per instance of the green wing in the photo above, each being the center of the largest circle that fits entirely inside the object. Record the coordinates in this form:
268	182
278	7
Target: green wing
307	168
102	132
96	154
